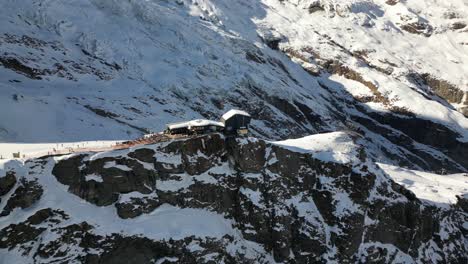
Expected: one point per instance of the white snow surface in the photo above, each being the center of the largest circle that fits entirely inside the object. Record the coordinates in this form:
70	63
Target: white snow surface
330	147
113	164
30	150
195	123
93	177
436	189
233	112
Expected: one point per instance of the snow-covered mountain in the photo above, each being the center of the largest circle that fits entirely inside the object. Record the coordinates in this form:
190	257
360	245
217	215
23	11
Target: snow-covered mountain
209	199
394	71
360	131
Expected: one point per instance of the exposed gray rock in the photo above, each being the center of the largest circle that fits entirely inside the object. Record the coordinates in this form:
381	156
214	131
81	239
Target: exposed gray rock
114	180
248	157
404	133
420	28
78	243
443	88
143	154
26	232
7	183
458	25
315	7
18	235
25	195
136	207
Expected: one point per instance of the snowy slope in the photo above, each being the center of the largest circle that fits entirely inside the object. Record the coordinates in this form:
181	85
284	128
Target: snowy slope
334	147
367	36
434	188
158	69
112	70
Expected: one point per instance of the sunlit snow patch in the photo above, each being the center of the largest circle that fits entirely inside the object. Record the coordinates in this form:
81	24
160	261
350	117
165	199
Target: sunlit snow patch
330	147
434	188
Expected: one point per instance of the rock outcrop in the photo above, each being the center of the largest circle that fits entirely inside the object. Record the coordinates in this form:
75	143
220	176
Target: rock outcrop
25	195
294	207
7	183
122	176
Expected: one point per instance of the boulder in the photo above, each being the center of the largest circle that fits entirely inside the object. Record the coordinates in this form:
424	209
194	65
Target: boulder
136	207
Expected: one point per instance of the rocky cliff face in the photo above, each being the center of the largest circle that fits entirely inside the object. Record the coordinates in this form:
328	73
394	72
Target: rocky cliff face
210	199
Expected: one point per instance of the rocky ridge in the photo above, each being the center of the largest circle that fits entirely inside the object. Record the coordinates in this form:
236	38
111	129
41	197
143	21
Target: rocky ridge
275	203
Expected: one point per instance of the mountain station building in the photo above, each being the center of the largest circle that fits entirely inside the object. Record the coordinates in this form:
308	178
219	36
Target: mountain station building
233	122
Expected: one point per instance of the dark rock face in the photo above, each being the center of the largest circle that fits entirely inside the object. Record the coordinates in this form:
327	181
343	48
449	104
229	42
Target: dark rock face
443	88
392	2
463	203
297	208
7	183
420	28
28	232
200	154
432	134
136	207
315	7
104	189
145	155
248	158
19	67
409	131
27	193
458	25
19	234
